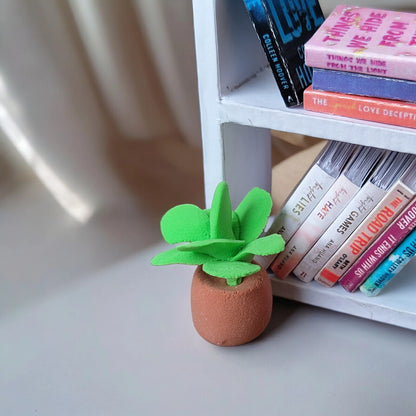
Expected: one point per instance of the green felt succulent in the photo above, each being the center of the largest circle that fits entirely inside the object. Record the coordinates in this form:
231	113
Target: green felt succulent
223	241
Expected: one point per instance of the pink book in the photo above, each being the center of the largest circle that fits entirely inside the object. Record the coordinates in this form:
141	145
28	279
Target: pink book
380	249
367	41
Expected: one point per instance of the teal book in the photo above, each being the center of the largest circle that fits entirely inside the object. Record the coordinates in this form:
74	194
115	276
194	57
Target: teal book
390	267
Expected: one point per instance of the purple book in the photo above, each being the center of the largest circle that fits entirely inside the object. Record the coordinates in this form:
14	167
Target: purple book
380	249
366	85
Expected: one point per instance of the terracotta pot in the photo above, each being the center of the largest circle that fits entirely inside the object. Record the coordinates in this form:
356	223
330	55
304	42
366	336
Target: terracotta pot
230	315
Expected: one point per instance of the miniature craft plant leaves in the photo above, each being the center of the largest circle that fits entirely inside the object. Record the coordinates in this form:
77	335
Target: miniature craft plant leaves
221	213
235	224
184	223
175	256
230	269
264	246
222	240
253	212
221	249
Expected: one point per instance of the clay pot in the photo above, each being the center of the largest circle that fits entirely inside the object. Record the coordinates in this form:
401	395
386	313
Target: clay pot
230	315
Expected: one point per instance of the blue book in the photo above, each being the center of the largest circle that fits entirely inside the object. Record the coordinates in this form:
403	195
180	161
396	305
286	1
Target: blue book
390	267
365	85
283	27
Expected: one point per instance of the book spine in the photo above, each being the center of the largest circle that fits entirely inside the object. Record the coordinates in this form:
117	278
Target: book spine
380	249
365	40
261	22
373	225
318	57
379	110
364	85
317	222
298	206
301	202
390	267
350	218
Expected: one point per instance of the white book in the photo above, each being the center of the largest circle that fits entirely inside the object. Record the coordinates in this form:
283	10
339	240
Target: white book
333	202
326	168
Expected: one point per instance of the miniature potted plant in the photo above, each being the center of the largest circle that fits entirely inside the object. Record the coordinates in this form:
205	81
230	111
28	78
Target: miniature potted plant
231	295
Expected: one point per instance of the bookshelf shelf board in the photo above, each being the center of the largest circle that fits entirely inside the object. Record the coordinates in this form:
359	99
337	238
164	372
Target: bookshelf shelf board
258	103
396	305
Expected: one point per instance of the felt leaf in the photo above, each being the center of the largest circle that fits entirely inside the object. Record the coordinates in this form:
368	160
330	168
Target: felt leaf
230	269
184	223
175	256
221	213
253	213
264	246
235	224
221	249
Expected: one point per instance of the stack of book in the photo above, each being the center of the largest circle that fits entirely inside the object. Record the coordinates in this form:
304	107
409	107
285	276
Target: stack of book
350	219
364	66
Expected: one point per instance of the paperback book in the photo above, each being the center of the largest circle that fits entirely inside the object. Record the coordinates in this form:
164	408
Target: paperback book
390	267
283	28
373	225
367	41
380	249
316	182
379	110
366	85
344	188
389	169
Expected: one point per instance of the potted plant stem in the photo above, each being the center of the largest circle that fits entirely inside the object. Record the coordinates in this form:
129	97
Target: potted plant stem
231	295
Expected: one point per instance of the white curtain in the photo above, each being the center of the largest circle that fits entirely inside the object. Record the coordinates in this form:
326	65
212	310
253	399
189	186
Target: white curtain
141	51
75	74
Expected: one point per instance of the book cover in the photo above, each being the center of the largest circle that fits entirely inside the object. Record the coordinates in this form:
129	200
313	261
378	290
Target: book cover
366	85
380	249
283	28
373	225
308	192
379	110
344	188
391	266
389	169
367	41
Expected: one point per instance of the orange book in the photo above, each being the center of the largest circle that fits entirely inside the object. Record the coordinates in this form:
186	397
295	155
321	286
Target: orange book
398	113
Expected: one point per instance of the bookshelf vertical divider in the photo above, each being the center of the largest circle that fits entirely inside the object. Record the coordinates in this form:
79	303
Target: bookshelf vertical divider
239	104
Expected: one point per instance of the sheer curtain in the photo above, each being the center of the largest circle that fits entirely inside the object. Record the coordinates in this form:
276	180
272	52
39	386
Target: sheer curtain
82	79
76	75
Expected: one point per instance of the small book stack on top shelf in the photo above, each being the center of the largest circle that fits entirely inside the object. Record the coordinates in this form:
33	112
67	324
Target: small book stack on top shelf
350	219
364	66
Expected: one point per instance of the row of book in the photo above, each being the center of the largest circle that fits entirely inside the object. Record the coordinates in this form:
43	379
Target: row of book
364	66
350	219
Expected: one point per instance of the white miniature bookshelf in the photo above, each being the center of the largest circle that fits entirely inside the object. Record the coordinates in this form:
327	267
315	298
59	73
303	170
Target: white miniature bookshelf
240	103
